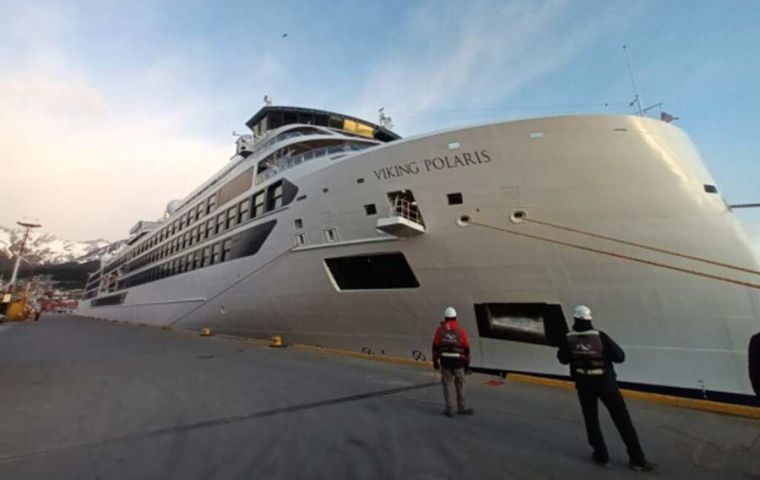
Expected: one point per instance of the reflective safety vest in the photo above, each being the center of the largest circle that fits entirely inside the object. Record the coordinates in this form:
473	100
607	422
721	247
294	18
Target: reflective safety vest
586	352
451	344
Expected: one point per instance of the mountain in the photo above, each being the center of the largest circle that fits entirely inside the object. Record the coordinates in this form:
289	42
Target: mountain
45	248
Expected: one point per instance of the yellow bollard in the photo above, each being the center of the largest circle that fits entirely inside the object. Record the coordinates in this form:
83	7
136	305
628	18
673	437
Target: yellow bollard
276	342
206	332
166	327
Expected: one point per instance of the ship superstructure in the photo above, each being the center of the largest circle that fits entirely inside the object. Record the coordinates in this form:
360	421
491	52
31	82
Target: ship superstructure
331	230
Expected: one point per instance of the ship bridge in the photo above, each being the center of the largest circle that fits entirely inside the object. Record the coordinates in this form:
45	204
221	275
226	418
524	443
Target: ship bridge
273	117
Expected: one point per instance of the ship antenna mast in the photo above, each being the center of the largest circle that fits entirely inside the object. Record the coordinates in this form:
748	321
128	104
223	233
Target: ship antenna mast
636	99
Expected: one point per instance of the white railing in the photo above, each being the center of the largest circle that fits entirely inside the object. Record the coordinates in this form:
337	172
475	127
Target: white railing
286	163
402	207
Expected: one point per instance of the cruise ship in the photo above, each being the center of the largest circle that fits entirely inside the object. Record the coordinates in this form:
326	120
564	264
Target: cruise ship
333	231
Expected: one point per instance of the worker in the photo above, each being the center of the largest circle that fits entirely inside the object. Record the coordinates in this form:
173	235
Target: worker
590	354
451	354
754	363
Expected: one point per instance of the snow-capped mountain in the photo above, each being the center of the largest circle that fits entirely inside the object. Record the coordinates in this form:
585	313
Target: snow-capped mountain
45	248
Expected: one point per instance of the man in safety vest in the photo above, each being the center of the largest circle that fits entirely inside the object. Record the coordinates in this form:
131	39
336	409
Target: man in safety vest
451	353
590	354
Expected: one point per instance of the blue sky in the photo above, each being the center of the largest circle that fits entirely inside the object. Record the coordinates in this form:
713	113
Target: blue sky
115	108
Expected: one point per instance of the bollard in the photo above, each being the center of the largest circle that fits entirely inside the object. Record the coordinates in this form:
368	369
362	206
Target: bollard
206	332
276	342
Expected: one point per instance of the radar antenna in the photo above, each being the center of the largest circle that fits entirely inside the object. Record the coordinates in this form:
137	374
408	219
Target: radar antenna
267	100
385	121
636	99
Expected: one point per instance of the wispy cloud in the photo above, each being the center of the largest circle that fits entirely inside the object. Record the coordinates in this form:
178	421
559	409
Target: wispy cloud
476	55
89	161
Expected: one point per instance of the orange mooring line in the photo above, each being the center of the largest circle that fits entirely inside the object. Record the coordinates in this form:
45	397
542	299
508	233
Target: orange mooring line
644	246
618	255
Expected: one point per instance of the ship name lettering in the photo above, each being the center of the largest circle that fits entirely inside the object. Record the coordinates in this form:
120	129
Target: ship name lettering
445	162
457	161
410	168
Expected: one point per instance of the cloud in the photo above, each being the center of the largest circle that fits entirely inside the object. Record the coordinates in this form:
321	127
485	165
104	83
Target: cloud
86	161
85	168
474	56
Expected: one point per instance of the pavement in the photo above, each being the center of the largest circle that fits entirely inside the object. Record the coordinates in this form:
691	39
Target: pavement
91	399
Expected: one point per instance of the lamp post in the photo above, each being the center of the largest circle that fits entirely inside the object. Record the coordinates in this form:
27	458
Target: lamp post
28	227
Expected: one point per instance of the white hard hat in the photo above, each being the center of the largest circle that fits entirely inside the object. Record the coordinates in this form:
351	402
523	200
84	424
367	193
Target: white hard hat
449	313
582	312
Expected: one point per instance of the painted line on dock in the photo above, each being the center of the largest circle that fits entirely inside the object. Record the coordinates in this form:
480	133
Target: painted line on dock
214	422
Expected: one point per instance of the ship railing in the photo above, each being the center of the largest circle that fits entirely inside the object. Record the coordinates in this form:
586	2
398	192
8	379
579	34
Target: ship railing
286	163
404	208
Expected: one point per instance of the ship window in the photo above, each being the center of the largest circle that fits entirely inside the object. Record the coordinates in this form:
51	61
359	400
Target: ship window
232	214
299	223
199	211
330	234
538	323
275	196
220	219
197	259
711	189
209	227
201	232
211	203
110	300
454	198
245	210
300	239
359	180
258	204
226	247
289	117
206	256
370	209
216	253
378	271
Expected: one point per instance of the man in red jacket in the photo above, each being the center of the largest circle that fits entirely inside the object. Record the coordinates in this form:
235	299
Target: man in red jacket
451	353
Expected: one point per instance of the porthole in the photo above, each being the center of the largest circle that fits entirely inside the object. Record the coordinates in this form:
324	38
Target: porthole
464	220
518	216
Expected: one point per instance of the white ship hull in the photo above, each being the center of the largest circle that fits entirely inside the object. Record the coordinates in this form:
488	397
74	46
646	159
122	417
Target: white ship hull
625	177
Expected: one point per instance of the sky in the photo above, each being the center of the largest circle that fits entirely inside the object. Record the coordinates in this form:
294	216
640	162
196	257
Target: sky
108	110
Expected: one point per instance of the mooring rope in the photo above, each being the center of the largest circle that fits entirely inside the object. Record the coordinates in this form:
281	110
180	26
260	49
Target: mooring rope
617	255
233	284
641	245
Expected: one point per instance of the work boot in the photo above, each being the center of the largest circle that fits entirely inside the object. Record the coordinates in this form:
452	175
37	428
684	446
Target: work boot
644	467
601	461
466	411
448	412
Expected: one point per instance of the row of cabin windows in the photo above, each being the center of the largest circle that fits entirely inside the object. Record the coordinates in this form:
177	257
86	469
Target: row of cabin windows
235	215
188	218
202	257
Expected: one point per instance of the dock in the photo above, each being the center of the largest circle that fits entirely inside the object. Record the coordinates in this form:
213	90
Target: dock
93	399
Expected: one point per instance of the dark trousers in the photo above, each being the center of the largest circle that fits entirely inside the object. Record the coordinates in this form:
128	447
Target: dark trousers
613	400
